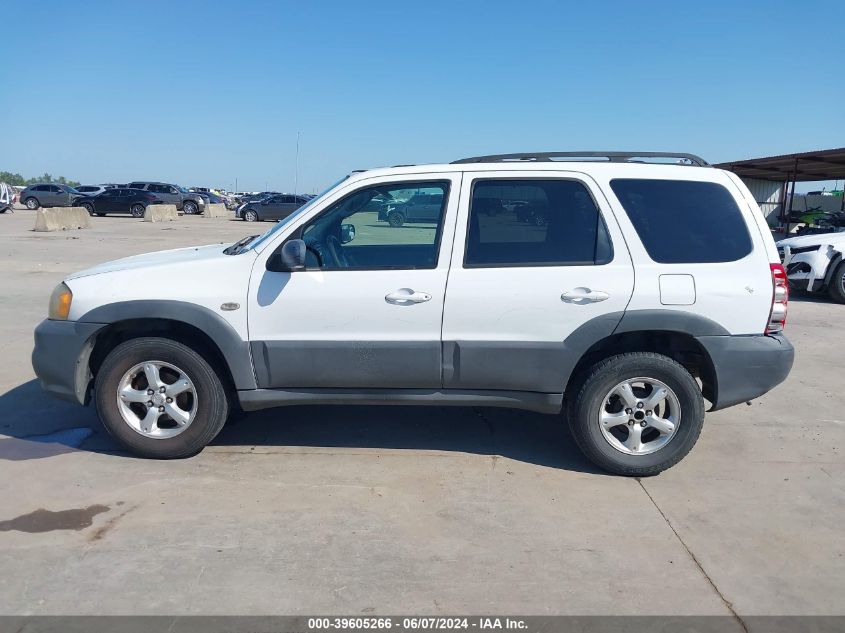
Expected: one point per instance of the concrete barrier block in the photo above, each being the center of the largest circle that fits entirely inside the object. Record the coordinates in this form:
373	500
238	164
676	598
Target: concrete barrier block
160	213
62	219
216	211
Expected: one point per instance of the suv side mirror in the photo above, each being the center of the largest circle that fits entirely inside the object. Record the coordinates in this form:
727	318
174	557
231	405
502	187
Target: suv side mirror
290	258
347	233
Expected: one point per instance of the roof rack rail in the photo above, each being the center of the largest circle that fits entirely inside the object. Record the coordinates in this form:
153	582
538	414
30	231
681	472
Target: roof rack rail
614	157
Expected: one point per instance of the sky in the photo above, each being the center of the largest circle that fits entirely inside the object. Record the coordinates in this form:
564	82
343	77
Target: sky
204	93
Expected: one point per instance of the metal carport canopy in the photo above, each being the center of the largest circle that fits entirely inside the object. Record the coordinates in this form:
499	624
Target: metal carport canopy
828	164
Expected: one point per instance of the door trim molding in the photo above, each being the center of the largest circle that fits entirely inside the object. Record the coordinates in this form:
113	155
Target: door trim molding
256	399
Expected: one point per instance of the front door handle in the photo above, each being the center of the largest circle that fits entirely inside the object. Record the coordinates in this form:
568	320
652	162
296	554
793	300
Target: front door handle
580	296
406	296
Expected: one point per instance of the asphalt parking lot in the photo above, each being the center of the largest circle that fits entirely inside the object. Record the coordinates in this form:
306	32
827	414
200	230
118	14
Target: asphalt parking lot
376	510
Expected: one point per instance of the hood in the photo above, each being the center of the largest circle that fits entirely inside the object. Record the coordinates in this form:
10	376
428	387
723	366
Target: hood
158	258
835	239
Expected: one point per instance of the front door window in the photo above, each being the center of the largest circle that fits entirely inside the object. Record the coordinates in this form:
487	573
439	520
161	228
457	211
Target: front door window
378	228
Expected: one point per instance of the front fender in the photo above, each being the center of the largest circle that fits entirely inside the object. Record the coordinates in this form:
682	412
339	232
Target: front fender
233	348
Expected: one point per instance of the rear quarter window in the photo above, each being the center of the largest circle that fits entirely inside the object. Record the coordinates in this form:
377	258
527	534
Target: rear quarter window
684	221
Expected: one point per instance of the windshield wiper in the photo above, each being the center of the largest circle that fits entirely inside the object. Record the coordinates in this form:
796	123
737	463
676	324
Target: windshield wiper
238	246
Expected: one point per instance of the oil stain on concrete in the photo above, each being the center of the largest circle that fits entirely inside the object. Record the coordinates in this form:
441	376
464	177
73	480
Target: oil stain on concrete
47	521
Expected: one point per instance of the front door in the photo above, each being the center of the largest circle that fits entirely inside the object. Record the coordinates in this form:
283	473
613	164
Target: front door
521	287
106	202
367	312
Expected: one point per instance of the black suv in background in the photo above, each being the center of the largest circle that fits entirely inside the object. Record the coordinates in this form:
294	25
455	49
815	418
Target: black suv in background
185	201
131	201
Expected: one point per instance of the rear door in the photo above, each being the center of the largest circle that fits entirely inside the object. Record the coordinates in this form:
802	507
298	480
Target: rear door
518	290
55	196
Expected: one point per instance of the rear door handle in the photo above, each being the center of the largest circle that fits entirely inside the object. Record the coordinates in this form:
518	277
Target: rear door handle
580	296
406	296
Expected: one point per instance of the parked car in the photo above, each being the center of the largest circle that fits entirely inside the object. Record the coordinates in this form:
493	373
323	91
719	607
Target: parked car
815	263
48	195
131	201
185	201
273	208
421	207
650	288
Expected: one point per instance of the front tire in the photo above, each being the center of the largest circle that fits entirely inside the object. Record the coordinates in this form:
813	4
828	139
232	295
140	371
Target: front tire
190	208
137	210
160	398
31	204
636	414
250	216
89	208
836	289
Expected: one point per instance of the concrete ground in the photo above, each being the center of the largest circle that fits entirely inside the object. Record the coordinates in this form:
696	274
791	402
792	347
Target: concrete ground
371	510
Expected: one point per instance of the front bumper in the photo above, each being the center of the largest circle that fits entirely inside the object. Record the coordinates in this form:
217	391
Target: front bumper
60	357
806	268
747	366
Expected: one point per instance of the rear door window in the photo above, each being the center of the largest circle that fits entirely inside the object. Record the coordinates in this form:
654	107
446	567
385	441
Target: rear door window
684	221
534	222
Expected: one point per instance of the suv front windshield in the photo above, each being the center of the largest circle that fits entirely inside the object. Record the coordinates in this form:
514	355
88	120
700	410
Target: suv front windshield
264	237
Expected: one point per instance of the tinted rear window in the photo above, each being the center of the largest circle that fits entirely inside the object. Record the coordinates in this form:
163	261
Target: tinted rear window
684	222
528	222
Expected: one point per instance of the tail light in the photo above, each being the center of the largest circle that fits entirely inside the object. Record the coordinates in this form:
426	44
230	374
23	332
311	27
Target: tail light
780	299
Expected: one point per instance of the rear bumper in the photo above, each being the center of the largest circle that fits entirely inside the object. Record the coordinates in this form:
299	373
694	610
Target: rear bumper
60	357
747	366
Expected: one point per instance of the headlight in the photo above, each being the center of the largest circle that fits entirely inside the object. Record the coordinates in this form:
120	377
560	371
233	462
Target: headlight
60	303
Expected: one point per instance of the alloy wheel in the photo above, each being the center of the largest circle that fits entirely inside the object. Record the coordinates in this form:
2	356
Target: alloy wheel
639	416
157	399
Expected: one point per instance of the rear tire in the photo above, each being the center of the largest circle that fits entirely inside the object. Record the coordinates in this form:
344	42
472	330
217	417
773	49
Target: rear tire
596	440
836	289
210	408
31	204
395	219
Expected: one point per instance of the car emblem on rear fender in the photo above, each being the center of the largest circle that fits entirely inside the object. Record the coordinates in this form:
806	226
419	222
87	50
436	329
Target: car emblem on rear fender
230	306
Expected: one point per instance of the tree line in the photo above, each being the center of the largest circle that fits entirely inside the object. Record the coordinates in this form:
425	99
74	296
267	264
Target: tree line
17	179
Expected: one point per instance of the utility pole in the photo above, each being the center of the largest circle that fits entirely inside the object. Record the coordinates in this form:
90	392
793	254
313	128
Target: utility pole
296	170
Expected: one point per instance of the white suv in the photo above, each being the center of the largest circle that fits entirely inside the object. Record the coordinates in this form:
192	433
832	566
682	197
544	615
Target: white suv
646	288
